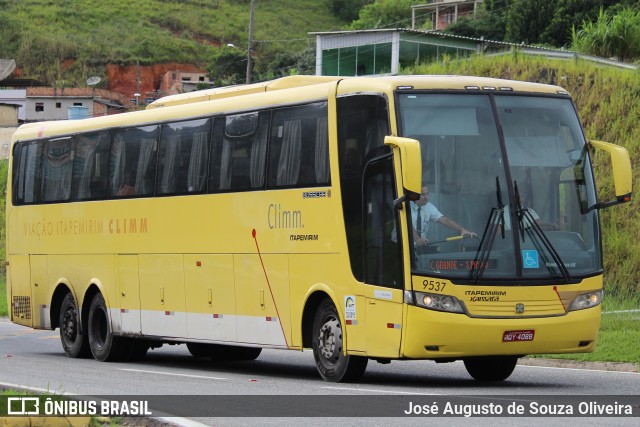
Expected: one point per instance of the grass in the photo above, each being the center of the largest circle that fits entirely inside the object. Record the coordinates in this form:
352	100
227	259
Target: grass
62	42
619	336
4	308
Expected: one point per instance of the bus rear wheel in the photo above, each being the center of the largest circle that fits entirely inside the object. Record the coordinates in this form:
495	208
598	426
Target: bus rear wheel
105	347
74	342
328	347
497	368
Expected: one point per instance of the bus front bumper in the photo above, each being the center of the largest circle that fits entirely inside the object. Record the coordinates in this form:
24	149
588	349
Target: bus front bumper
434	335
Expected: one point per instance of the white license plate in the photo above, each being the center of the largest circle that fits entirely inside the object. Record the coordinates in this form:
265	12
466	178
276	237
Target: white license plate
515	336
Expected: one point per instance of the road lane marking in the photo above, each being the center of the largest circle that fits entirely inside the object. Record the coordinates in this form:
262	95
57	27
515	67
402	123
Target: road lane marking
172	374
369	390
579	369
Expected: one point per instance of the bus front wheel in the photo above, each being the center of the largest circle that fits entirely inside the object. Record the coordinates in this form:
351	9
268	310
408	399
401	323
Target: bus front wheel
490	368
104	346
74	342
328	341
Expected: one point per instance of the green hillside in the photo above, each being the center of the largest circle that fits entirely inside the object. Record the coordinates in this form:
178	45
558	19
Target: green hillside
68	40
608	101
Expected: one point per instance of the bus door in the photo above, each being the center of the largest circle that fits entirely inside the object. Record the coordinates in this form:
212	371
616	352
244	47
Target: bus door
382	260
128	295
210	296
162	295
39	291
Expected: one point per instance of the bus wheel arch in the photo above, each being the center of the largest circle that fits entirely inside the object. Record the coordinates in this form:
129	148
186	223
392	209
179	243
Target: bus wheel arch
308	315
328	346
56	303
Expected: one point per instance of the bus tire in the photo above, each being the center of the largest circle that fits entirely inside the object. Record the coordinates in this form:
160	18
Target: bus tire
104	346
74	342
328	352
492	368
198	349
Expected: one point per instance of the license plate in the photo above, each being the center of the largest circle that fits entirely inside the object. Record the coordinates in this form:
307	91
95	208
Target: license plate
514	336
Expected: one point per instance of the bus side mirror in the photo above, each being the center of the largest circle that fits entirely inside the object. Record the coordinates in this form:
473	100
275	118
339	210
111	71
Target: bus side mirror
621	166
411	164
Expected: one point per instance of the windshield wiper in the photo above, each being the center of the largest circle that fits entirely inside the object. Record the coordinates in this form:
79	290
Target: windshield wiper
526	222
495	222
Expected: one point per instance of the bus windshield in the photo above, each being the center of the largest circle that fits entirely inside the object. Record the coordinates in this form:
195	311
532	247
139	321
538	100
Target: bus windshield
512	173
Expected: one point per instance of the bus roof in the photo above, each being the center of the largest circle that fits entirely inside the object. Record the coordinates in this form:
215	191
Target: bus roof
349	83
239	90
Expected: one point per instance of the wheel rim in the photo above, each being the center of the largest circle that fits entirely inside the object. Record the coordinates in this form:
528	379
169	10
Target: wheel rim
70	325
330	341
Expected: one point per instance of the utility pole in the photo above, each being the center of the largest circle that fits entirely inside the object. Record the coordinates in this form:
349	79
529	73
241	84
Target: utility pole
250	42
137	94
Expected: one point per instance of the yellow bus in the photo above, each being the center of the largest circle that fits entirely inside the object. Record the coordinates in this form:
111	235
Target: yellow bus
286	215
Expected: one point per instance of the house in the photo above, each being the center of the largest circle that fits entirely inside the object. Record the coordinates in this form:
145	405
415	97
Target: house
175	82
8	125
37	103
385	51
439	14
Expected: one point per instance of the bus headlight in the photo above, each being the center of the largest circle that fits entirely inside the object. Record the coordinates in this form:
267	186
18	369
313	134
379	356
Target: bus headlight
586	300
439	302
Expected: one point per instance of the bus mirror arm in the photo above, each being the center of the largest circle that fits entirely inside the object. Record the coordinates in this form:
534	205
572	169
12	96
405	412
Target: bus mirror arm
619	200
408	195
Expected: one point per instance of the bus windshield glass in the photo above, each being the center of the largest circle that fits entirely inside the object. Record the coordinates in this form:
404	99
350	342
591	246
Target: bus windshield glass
511	173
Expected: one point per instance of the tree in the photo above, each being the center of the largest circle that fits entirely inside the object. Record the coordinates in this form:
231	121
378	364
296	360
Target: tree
533	21
348	10
384	14
228	65
489	22
528	19
286	64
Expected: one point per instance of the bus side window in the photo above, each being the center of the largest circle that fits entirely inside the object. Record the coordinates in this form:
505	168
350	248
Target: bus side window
244	150
182	159
57	170
298	148
91	166
133	162
26	171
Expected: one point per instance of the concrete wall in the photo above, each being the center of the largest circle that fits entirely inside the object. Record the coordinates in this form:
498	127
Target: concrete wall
5	140
16	97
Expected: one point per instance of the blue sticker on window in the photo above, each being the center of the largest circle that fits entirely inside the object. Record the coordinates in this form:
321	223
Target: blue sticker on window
530	259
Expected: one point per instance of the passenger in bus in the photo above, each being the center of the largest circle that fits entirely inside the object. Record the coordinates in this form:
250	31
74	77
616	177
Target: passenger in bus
128	187
423	211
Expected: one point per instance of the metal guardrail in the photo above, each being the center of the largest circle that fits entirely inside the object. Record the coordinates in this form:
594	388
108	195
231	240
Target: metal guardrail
569	55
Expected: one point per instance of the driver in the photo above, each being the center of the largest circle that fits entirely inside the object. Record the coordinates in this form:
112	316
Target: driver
423	211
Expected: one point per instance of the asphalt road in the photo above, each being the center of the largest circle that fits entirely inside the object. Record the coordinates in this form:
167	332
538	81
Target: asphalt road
286	384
